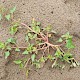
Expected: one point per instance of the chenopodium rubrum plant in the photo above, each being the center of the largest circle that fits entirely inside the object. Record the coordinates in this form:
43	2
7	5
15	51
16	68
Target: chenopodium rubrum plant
39	42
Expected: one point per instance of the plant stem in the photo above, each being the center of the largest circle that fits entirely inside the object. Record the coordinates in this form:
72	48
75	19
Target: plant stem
27	63
40	34
26	47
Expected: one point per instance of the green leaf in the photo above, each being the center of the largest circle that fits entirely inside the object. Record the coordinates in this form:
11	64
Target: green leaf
6	54
67	57
34	49
36	29
2	45
48	28
0	17
34	36
33	57
11	40
42	59
38	23
30	48
67	35
31	36
50	57
37	64
60	40
25	52
13	30
13	10
8	17
17	61
69	44
21	65
17	49
58	53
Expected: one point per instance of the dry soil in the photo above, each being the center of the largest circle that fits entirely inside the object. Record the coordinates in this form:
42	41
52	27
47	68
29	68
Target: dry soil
63	15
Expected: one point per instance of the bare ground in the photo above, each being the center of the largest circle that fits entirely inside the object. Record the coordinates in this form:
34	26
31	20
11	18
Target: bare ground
63	15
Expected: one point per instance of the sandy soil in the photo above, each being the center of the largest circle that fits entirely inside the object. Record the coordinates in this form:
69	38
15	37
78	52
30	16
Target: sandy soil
63	15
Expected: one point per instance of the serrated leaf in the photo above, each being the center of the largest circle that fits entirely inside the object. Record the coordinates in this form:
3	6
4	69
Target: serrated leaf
33	57
2	45
13	30
6	54
0	17
8	17
17	49
13	10
25	52
69	44
17	61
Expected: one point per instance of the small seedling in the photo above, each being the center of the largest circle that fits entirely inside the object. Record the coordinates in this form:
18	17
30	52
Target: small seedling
8	14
